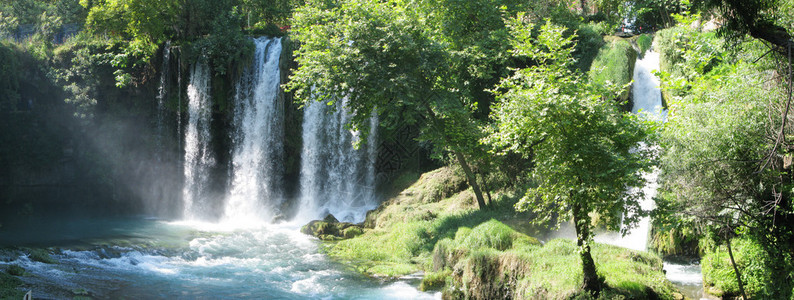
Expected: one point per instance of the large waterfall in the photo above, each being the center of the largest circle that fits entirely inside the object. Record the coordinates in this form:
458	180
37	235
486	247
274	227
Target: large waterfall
198	157
257	168
336	178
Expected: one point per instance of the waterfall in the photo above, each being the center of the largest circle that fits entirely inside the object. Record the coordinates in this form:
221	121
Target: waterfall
335	177
198	156
255	191
648	102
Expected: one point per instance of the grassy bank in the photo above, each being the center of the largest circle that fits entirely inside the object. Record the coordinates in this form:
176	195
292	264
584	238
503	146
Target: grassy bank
434	227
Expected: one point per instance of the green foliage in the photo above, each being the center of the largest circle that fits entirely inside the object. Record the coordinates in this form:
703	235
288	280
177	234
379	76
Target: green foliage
434	281
651	15
753	263
491	234
720	165
688	56
439	58
9	81
588	40
555	271
15	270
262	13
225	46
581	143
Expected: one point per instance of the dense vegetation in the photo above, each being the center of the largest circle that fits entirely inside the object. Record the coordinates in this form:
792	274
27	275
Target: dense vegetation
524	97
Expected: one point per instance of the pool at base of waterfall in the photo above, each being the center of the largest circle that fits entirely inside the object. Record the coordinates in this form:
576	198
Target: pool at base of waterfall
147	259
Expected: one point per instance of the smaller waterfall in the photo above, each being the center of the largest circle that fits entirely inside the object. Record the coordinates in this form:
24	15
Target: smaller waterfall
198	156
336	178
647	101
645	90
255	191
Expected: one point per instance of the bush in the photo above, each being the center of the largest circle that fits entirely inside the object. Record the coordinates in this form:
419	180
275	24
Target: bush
755	266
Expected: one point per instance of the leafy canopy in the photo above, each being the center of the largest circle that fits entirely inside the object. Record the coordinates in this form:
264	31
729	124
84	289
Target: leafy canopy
586	151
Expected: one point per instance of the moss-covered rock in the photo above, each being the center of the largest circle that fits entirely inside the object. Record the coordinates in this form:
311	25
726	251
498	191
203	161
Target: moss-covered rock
330	229
40	255
614	65
15	270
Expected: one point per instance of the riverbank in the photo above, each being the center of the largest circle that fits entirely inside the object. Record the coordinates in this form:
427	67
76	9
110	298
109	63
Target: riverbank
433	227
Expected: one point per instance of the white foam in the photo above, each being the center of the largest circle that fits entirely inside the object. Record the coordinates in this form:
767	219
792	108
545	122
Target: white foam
684	274
402	290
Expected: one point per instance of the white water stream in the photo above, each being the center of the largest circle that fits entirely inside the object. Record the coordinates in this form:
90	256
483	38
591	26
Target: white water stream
255	192
336	178
198	156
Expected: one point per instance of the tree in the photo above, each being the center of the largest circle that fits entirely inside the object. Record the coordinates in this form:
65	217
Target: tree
586	152
762	19
411	61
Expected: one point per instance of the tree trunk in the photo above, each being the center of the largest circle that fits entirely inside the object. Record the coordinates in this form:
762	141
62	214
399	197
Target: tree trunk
472	180
591	282
736	269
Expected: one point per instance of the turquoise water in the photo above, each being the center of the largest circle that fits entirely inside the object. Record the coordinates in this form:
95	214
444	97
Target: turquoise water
149	259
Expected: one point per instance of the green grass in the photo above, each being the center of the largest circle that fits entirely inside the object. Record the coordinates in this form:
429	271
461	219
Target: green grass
474	253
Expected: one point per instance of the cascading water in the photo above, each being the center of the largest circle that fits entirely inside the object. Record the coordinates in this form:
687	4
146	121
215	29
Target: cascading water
255	192
336	178
198	156
648	102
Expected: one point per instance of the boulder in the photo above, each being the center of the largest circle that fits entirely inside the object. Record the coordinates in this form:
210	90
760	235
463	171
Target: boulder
330	229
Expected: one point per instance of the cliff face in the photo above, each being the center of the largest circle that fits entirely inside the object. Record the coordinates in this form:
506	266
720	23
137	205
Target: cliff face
51	156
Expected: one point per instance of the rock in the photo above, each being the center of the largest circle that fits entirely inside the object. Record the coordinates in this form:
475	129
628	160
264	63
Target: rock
330	229
15	270
330	219
279	218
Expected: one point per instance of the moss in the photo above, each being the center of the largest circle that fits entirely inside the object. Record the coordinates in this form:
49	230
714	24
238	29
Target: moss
680	240
614	63
329	229
434	281
9	287
352	231
644	42
15	270
40	255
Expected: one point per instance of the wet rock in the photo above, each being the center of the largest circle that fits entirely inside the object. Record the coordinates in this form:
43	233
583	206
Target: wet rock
330	229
